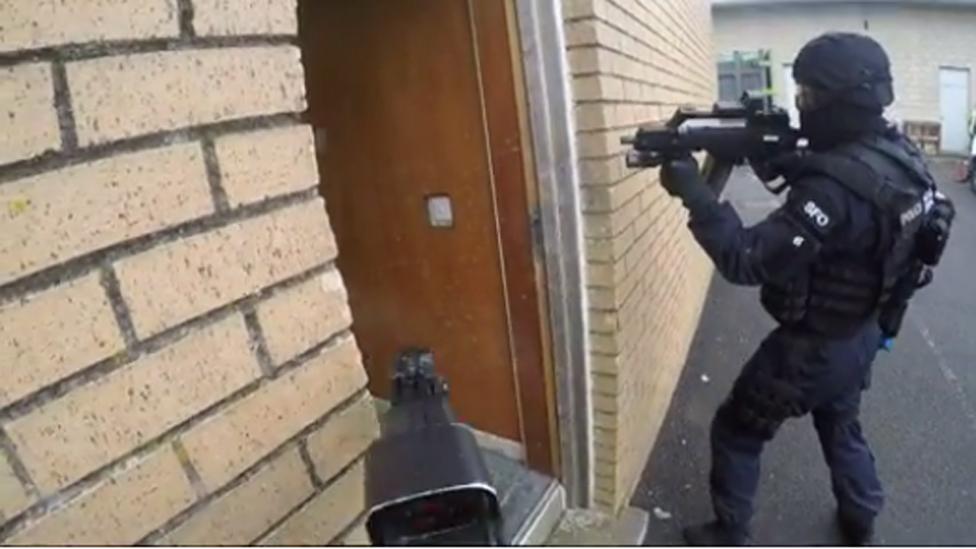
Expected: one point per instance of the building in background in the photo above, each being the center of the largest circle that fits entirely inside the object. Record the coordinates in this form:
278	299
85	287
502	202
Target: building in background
744	72
930	43
220	221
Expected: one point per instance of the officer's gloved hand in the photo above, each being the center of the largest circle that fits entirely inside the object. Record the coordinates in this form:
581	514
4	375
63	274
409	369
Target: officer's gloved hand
680	177
769	168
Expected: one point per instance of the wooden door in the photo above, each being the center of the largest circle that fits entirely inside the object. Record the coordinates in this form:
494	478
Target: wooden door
395	96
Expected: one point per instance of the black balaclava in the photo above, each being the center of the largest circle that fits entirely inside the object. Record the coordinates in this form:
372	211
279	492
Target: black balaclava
851	76
838	123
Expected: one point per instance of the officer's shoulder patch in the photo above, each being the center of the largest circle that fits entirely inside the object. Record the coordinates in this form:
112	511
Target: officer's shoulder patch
816	207
815	213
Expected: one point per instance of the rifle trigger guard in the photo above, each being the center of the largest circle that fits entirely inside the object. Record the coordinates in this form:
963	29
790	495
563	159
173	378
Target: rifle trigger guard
776	189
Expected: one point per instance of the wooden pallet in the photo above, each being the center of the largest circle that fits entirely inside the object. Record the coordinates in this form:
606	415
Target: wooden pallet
925	134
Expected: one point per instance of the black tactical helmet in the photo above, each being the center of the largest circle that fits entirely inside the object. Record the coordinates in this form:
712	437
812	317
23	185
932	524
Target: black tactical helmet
843	67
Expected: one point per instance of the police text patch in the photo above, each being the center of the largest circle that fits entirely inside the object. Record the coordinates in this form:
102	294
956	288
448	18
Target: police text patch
817	215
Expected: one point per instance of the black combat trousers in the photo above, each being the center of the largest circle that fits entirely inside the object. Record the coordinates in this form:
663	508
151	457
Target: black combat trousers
793	374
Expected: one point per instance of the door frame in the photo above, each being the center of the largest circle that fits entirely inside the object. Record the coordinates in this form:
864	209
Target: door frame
558	225
492	29
539	230
513	198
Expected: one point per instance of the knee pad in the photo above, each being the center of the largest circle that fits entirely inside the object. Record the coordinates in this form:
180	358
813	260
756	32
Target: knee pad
762	403
738	415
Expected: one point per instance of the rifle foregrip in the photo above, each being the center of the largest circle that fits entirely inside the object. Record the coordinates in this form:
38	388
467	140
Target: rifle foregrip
716	174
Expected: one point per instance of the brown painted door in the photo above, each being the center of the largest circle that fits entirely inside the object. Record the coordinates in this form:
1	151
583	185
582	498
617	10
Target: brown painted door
394	91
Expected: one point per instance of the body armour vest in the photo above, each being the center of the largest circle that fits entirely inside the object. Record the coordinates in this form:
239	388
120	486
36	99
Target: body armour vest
843	290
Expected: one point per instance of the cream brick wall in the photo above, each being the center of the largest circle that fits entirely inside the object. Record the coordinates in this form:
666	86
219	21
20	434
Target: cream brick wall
242	514
46	23
109	201
326	515
31	124
634	61
174	337
918	39
168	90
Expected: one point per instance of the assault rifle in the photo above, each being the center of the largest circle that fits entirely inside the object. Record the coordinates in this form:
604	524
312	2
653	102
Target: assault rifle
751	129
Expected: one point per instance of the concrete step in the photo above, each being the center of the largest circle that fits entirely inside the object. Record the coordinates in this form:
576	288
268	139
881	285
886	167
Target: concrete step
579	527
531	503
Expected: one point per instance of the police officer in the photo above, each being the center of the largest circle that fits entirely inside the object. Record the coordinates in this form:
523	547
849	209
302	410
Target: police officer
826	262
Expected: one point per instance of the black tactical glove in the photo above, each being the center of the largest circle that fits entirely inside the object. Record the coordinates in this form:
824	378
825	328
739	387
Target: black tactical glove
768	169
680	177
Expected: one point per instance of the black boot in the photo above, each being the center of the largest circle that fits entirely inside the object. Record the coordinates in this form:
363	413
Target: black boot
856	531
715	533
